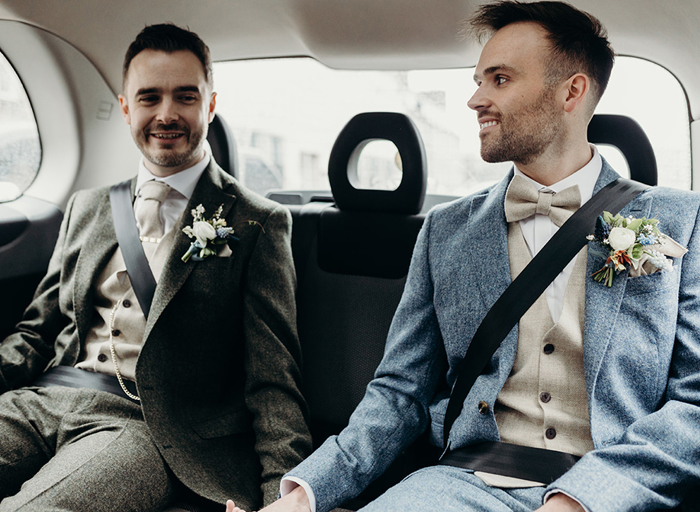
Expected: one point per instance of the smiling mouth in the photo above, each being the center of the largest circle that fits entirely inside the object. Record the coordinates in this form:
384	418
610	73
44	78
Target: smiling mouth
167	136
487	124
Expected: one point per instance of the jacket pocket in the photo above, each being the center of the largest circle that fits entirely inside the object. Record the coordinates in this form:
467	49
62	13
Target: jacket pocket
655	282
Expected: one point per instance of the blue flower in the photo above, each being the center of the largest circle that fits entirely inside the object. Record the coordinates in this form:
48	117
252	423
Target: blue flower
224	233
602	229
645	239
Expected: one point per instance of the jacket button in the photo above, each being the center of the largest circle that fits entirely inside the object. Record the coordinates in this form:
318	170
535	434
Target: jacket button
126	303
548	348
483	408
102	358
545	397
550	433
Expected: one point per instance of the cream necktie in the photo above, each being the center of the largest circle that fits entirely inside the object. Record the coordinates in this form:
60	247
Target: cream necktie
523	200
153	193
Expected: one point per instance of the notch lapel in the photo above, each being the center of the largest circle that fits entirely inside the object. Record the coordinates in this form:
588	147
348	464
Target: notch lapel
211	191
488	233
603	303
98	246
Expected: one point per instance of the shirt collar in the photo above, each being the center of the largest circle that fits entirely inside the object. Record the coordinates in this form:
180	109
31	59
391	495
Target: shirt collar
586	177
184	181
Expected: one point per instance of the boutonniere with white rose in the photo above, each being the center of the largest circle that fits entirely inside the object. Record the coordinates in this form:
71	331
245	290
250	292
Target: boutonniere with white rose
211	236
632	243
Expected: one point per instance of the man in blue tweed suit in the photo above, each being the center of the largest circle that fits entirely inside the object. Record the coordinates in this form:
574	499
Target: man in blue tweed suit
609	374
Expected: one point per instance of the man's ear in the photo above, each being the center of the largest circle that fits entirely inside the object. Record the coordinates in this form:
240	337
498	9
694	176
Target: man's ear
212	106
124	108
577	91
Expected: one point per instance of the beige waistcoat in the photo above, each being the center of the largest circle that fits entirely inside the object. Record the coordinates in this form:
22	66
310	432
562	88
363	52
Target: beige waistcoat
543	402
115	296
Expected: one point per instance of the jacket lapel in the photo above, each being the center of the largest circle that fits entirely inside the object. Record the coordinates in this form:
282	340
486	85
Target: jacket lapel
211	191
488	232
603	303
98	246
488	236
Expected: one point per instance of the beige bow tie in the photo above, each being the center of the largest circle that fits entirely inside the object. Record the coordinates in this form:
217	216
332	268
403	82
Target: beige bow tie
523	201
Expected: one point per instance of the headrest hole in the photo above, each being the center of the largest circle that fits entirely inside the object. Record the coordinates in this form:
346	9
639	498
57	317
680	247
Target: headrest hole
375	164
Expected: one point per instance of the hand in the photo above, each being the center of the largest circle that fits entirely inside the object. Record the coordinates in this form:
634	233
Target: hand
295	501
560	503
231	507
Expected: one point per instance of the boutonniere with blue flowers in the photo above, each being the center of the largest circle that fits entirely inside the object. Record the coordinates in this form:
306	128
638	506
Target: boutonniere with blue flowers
211	236
632	243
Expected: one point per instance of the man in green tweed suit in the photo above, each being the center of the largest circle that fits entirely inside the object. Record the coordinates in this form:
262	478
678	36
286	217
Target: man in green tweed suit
103	407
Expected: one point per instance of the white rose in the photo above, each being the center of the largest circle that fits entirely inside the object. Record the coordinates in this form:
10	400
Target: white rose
621	239
204	232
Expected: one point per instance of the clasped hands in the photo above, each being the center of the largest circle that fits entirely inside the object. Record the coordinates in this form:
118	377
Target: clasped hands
295	501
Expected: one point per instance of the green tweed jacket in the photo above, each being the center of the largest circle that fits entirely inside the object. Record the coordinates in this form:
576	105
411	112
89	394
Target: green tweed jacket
218	374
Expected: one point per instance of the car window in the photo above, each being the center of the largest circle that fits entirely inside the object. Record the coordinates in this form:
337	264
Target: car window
20	149
291	110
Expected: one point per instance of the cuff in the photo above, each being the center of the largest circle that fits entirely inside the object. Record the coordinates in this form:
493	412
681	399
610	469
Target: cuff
289	483
546	497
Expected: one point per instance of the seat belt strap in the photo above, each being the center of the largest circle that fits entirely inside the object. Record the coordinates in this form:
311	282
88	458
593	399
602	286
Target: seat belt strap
140	274
505	459
529	285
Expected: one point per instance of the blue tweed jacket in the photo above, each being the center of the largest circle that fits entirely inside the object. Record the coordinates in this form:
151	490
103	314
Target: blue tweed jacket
641	358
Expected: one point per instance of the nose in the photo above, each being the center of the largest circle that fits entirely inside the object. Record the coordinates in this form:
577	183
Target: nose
479	100
167	111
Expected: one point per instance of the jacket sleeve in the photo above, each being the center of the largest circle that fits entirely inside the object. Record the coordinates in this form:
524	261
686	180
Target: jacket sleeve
273	355
656	459
394	410
25	354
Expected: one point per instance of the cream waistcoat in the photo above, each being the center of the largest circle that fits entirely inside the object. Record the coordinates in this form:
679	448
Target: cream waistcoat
543	403
115	294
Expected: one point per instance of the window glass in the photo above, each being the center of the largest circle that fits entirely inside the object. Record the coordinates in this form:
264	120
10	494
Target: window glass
291	110
20	150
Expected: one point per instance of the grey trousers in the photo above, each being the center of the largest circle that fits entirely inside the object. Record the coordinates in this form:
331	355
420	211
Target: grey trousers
79	450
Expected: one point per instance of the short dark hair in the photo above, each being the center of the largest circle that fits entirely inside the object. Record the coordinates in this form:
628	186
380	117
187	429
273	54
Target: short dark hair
169	38
579	40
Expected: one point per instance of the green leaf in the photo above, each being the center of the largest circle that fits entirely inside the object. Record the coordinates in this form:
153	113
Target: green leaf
637	251
607	217
635	224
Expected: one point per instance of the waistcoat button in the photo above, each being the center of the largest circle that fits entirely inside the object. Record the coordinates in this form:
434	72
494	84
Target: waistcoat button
545	397
483	408
126	303
102	358
548	348
550	433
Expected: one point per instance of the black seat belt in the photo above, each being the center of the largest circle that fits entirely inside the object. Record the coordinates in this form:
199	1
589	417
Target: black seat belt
507	311
140	275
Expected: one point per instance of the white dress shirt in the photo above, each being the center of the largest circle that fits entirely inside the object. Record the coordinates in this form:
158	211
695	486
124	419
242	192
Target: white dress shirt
182	184
537	230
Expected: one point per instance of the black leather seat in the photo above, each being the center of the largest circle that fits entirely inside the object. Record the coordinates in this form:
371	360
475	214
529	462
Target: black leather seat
223	145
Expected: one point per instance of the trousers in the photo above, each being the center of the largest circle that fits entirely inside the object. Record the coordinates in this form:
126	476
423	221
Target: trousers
452	489
79	450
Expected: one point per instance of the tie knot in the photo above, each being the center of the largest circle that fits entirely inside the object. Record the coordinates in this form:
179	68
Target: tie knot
156	190
523	200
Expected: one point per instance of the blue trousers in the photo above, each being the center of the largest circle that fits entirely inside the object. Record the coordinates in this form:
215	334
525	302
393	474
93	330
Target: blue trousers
450	489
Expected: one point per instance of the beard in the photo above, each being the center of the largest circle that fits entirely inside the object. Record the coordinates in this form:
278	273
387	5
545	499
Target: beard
524	134
166	156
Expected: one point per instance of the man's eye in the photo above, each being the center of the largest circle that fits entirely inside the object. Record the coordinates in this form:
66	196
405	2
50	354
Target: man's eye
501	80
148	99
188	99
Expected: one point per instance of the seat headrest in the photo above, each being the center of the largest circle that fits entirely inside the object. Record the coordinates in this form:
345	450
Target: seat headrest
626	135
223	145
398	128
